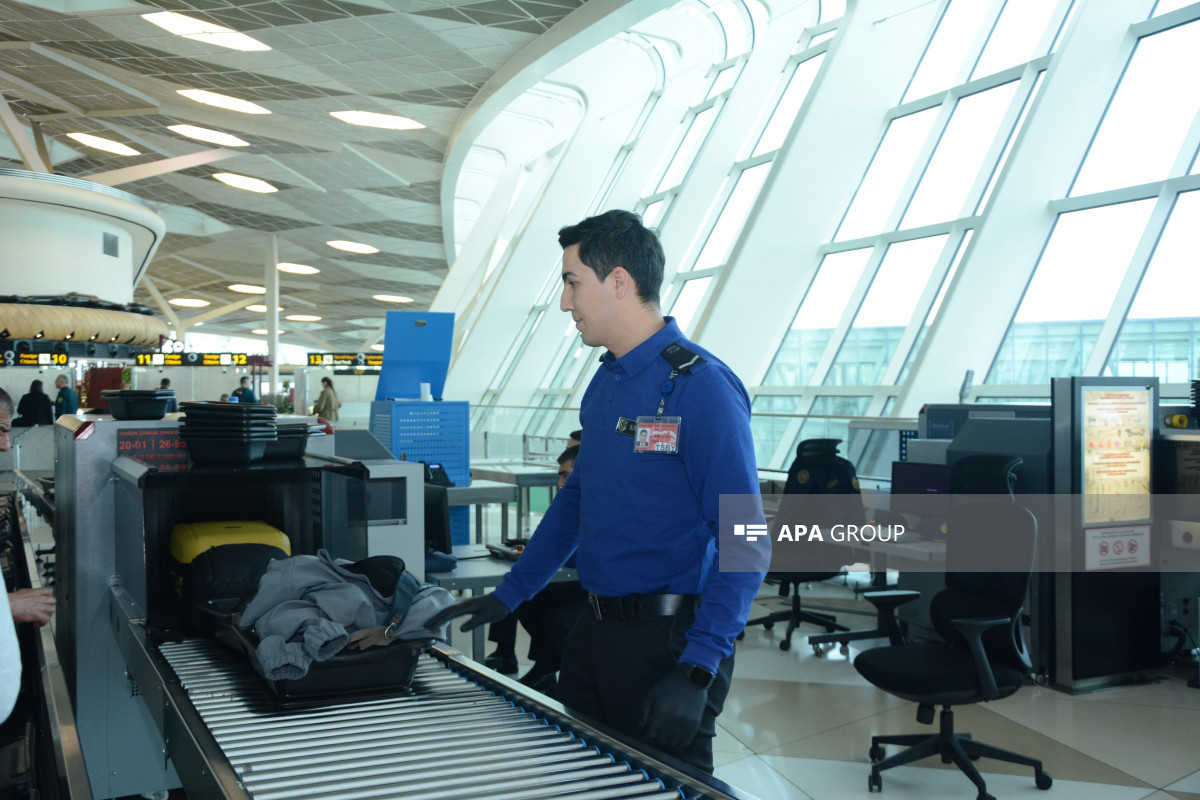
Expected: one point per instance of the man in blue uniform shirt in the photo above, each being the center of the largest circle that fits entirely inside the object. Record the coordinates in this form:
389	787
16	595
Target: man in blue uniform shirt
654	656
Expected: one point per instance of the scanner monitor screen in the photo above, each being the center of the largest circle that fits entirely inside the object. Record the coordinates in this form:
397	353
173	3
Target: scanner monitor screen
920	489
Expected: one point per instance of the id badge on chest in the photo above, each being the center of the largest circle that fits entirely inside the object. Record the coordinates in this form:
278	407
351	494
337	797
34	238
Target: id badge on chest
657	435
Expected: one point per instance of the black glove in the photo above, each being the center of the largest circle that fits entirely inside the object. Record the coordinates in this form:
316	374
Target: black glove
673	710
484	609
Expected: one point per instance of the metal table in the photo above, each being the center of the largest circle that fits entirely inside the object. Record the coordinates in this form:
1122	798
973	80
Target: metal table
476	575
524	477
481	493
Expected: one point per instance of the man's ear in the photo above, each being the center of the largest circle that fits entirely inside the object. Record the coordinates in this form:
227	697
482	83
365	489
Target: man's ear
622	282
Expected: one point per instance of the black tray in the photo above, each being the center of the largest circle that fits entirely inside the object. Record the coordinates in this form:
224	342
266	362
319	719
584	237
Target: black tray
286	447
136	407
137	392
225	451
226	426
376	670
219	410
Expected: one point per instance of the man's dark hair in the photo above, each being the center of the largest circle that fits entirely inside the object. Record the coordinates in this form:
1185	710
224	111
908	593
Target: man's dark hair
576	435
6	402
243	379
570	454
165	382
618	238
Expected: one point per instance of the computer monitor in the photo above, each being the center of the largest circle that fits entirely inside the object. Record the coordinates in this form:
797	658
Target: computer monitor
437	519
920	489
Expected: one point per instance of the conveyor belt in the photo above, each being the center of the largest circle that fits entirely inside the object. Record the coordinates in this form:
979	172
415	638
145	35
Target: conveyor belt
448	738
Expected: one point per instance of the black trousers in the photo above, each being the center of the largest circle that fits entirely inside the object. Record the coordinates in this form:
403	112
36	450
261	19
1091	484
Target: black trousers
610	666
549	616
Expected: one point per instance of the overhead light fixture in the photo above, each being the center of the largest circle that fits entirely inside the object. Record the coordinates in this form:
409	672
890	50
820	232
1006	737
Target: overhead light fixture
392	298
261	309
377	347
206	135
201	31
296	269
223	101
246	288
244	182
353	247
189	302
263	331
369	119
100	143
302	317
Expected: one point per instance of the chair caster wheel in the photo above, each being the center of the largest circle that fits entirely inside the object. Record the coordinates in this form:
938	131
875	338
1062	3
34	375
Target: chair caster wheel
785	645
877	753
874	782
1043	780
741	636
830	629
768	626
844	649
985	796
818	651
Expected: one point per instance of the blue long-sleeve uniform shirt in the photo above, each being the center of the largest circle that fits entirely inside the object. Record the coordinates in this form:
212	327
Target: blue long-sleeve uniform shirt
643	523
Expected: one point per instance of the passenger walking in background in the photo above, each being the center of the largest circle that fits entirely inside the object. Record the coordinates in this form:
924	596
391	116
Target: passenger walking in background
327	404
172	402
6	412
654	657
244	394
67	402
35	408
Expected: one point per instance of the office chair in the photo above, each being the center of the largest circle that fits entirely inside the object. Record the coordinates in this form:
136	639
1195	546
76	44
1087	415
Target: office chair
816	473
983	656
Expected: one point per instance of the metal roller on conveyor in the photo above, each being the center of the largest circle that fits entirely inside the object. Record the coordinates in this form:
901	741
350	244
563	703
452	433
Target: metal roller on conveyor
458	733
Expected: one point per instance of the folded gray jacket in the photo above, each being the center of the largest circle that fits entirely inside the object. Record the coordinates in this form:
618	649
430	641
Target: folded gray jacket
303	610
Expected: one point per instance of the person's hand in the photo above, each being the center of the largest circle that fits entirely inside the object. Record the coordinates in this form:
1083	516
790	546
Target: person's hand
32	605
673	711
483	609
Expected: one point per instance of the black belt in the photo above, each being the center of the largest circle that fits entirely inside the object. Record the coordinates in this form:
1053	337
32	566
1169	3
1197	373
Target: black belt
633	606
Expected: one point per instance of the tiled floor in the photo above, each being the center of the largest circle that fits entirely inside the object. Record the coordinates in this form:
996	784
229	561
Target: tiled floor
799	726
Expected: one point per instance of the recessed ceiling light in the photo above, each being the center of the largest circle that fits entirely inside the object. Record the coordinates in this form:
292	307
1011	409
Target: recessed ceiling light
107	145
246	288
244	182
206	135
392	298
353	247
369	119
188	302
297	269
302	317
377	347
201	31
262	331
260	308
223	101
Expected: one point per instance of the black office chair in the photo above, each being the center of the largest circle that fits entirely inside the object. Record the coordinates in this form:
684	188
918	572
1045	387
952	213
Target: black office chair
816	473
983	656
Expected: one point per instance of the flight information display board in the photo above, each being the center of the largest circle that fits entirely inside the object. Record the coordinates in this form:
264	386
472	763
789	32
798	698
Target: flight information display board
345	359
191	359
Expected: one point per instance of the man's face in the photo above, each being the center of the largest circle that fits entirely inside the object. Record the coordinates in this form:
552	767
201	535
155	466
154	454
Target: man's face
6	426
564	472
589	300
60	382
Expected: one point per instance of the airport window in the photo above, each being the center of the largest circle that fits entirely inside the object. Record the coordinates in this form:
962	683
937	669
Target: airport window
1149	116
1014	38
889	171
684	154
823	421
687	302
832	9
823	306
1027	102
871	343
1070	294
733	216
1159	335
956	33
933	311
943	192
771	417
784	115
1167	6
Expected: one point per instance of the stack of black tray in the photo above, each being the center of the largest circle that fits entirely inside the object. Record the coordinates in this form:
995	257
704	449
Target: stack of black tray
137	403
227	433
292	439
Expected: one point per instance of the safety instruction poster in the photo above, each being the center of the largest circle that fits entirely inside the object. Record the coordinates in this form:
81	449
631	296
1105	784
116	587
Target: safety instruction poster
1113	548
1116	455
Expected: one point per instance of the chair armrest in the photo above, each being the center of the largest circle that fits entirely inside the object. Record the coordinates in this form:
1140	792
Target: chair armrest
972	630
886	603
